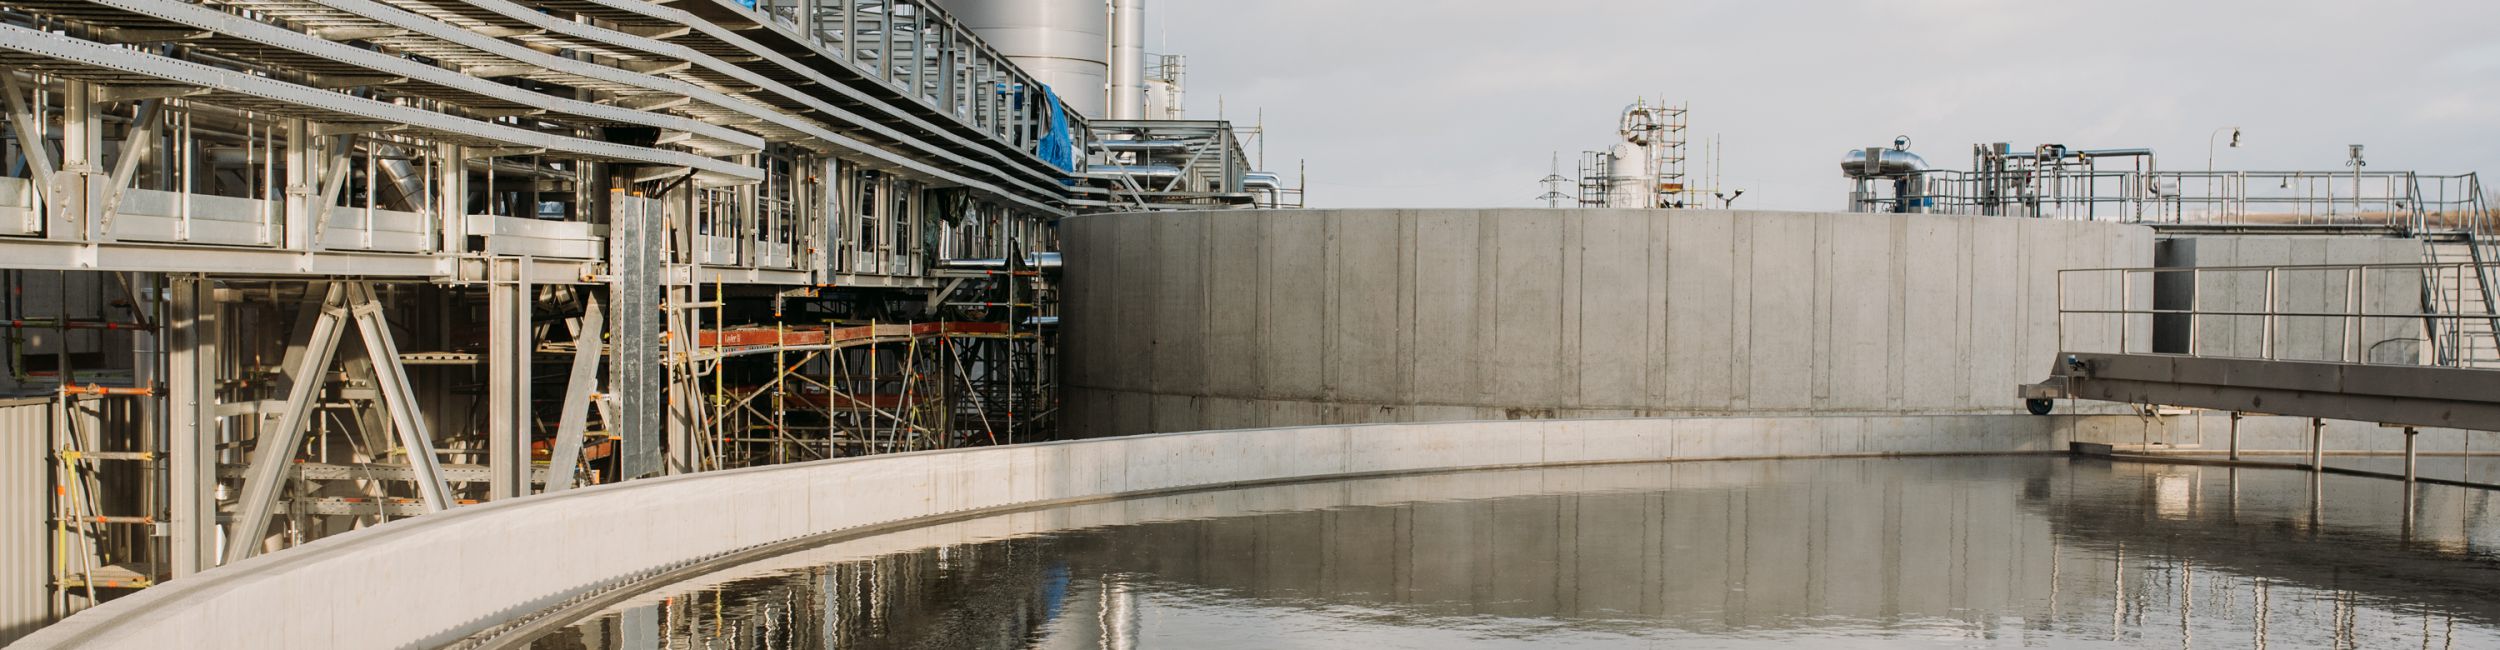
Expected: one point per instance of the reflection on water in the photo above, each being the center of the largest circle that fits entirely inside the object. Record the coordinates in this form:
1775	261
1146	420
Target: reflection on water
1858	553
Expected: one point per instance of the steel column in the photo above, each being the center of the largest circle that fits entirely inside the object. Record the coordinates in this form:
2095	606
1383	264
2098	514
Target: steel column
510	344
302	183
82	140
193	432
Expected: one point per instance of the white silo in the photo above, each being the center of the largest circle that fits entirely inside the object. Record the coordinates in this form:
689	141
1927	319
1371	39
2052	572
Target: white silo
1063	43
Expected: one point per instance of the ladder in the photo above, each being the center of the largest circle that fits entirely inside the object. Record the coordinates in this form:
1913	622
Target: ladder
2460	284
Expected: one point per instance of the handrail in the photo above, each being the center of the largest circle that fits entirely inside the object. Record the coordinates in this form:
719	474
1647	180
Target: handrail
2405	199
2343	296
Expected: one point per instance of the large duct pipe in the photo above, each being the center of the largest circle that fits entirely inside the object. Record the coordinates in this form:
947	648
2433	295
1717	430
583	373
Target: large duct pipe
1059	42
1127	99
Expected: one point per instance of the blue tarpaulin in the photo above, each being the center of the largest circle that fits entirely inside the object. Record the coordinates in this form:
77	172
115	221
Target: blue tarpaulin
1058	147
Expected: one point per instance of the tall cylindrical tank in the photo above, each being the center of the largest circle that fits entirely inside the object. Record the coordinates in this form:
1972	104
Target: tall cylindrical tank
1628	177
1128	60
1063	43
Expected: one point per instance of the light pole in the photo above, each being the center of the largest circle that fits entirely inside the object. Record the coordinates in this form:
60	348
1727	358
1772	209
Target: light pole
2212	185
2209	145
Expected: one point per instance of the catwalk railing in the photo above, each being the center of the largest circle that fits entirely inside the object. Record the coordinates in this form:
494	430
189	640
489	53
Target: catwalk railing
2426	314
2411	201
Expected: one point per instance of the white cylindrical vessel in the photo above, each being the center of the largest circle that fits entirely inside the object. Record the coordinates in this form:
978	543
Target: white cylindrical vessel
1127	100
1628	179
1062	43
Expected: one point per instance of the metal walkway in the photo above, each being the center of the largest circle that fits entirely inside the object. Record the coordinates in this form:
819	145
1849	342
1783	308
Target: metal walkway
2414	396
2364	342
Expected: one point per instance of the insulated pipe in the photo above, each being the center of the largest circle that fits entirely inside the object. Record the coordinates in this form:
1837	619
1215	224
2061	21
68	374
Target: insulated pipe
1035	261
1127	98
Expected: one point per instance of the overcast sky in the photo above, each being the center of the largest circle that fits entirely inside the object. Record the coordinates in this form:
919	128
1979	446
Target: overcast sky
1460	103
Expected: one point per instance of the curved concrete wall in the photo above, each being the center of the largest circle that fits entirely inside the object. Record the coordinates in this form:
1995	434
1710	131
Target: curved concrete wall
1212	320
433	579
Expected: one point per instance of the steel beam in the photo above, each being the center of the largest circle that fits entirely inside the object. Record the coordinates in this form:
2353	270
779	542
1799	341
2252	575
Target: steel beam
580	389
67	255
397	397
122	61
2420	396
137	137
899	124
33	146
391	66
279	444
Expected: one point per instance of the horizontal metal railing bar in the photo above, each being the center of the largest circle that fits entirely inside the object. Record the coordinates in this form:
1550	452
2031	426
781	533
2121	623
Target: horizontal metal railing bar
2286	314
2372	266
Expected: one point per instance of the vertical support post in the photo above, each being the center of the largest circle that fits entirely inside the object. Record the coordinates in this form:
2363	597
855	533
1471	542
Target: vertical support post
398	397
303	177
82	137
2126	307
683	395
2235	435
2412	459
451	199
192	434
275	452
2412	476
579	390
2317	444
509	346
2265	347
2355	300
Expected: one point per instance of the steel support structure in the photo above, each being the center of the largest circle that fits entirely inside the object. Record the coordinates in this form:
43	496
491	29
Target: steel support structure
383	253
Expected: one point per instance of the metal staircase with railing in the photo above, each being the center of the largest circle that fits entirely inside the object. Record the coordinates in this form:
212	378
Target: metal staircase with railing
2458	282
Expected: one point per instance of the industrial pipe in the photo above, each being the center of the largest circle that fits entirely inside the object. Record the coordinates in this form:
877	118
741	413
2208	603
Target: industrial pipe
1035	261
1127	98
47	323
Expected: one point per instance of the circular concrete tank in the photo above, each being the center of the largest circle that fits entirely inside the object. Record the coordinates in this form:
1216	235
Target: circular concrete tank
1214	320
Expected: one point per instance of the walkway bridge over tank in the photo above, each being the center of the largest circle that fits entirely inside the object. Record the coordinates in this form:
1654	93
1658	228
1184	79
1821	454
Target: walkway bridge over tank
2407	346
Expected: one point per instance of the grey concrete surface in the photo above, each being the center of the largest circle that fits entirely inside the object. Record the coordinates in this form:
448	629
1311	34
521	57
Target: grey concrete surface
427	580
1187	321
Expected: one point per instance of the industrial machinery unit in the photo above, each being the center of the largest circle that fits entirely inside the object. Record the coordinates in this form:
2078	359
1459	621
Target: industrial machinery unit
275	271
1645	168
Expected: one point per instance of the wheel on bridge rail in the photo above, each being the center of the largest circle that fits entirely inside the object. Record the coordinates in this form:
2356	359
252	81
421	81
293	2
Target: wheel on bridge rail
2040	406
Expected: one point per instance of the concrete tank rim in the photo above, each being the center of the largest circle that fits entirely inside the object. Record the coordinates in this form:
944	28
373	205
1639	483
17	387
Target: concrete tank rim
1098	216
100	624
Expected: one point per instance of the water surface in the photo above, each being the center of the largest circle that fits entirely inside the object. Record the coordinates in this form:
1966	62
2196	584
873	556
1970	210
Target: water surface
1940	552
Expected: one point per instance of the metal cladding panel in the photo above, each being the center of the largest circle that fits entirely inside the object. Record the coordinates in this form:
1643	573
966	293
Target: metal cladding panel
634	257
24	430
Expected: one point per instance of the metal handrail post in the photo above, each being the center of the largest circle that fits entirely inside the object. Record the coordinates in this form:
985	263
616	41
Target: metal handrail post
2354	297
2265	338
